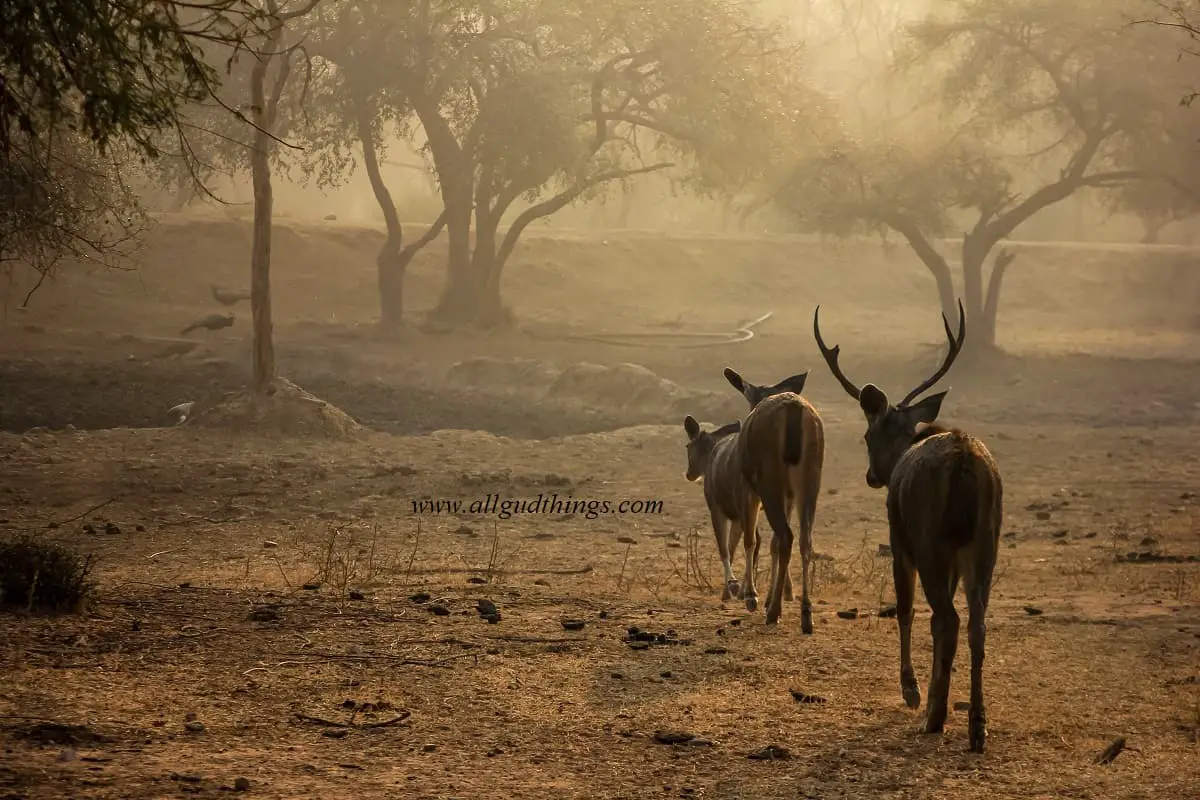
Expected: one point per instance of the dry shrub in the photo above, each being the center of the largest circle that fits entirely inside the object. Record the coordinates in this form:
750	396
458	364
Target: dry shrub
43	576
284	410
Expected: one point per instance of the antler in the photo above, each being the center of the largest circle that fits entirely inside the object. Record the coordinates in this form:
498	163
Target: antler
951	354
831	358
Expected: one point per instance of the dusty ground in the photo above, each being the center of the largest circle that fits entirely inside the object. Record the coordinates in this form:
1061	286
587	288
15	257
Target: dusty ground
206	542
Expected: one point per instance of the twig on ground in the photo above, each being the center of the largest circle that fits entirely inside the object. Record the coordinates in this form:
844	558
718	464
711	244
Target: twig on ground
91	510
468	571
328	723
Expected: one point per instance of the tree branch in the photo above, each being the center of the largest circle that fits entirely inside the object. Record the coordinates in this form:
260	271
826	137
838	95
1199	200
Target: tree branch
634	118
561	200
363	119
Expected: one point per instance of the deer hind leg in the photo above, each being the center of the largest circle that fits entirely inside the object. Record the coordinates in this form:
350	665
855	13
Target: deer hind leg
978	586
904	577
808	513
940	585
777	513
721	530
750	543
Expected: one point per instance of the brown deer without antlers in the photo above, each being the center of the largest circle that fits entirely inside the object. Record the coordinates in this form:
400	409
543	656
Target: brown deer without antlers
732	505
781	452
944	505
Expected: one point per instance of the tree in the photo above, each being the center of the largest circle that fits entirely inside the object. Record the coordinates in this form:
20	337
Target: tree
84	89
539	103
356	100
264	112
242	126
1065	81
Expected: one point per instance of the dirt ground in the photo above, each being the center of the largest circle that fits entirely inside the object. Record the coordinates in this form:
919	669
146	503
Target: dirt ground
274	616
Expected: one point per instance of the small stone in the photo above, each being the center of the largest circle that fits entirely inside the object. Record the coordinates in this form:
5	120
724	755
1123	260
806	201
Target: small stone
311	587
962	705
849	613
573	624
626	540
1043	515
357	595
195	726
485	607
440	610
269	544
241	785
1033	611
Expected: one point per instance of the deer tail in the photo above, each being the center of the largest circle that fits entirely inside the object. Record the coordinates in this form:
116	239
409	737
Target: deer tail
793	433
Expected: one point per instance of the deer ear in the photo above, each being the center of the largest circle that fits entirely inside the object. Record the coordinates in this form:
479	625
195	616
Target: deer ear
691	426
927	410
794	384
735	380
872	400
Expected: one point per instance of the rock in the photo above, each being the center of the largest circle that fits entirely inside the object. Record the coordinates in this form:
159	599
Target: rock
1033	611
485	607
573	624
241	785
849	613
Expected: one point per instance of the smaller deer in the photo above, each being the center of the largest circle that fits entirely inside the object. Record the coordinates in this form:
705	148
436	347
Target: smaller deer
783	453
714	456
944	506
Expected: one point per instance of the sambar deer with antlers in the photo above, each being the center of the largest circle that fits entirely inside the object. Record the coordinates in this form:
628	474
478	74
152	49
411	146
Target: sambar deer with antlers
944	506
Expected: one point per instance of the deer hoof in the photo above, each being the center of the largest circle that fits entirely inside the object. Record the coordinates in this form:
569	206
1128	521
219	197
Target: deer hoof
912	696
751	602
806	622
933	724
978	736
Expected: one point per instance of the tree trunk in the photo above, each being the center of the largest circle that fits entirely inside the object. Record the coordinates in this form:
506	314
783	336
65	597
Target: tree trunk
260	249
390	263
1152	225
982	335
459	299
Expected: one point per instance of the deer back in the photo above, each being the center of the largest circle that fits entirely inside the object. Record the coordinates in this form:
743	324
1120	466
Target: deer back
782	431
945	488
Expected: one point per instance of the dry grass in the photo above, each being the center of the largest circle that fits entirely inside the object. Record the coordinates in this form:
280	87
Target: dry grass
202	607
